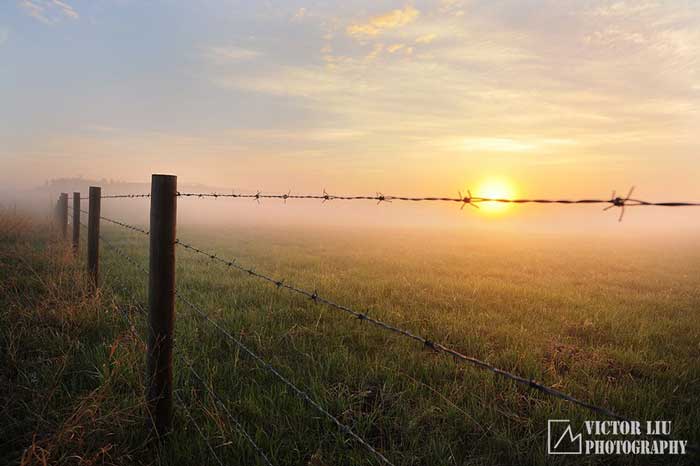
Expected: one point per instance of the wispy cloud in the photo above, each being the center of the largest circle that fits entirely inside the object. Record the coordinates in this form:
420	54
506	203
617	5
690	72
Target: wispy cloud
380	23
483	75
439	85
66	9
613	36
49	11
4	34
623	8
512	145
426	39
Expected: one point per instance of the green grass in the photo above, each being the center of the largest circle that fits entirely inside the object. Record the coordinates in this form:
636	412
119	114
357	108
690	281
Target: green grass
615	324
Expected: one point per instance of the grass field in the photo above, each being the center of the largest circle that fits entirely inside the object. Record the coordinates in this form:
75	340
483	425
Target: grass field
615	323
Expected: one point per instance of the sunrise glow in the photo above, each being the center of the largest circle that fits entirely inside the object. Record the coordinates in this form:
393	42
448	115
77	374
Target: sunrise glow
425	97
495	188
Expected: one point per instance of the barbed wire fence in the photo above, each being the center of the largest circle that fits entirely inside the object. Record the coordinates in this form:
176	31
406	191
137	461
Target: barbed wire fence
129	321
465	200
280	283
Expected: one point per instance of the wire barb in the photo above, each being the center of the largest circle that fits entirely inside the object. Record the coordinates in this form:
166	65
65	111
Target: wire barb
469	199
616	201
438	347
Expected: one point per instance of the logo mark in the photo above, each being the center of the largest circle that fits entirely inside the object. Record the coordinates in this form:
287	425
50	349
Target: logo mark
561	439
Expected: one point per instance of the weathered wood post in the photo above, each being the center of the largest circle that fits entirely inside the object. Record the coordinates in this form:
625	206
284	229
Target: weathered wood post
76	223
56	214
161	302
63	214
93	240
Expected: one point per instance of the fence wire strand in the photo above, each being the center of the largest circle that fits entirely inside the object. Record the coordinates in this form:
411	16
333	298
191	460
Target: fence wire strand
300	393
435	346
132	329
198	427
210	390
474	201
215	396
119	196
121	224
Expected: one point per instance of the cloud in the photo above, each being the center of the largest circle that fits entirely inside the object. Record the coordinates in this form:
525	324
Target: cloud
624	8
613	35
376	51
66	9
4	34
49	11
426	39
497	145
230	54
512	145
497	88
378	24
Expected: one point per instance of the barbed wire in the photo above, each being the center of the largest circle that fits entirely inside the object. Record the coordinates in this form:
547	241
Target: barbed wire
474	201
240	344
132	329
300	393
119	196
435	346
215	396
314	296
237	424
120	252
198	428
121	224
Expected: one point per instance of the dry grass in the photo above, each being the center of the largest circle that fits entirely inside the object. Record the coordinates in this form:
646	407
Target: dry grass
68	391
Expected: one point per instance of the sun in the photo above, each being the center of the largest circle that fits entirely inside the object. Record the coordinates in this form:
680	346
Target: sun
495	188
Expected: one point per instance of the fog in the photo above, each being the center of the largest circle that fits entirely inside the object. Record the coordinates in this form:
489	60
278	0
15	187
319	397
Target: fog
430	217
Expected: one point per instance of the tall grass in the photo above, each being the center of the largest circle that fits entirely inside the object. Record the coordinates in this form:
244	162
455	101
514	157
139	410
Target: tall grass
613	324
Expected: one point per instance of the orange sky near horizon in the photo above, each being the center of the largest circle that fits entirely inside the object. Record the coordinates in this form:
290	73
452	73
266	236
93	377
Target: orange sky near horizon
554	99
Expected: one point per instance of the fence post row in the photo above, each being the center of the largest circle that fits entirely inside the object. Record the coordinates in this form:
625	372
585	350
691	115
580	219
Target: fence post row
93	240
161	301
63	214
76	223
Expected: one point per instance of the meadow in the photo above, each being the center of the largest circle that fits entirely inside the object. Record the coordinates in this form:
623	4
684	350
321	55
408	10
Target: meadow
615	323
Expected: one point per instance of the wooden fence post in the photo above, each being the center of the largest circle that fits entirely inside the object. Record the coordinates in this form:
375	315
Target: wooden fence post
161	301
93	240
63	215
56	212
76	223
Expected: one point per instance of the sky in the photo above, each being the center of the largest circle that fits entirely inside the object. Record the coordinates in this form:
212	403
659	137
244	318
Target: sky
557	98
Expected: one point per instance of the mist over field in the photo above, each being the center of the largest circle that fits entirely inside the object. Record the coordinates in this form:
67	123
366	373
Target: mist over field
570	220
